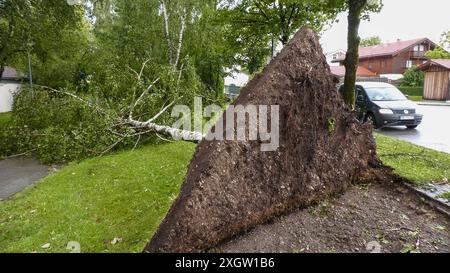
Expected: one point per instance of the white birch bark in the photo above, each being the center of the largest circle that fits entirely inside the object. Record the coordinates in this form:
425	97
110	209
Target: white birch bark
167	31
180	38
175	133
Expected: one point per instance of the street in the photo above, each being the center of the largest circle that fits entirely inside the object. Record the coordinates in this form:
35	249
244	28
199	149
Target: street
433	133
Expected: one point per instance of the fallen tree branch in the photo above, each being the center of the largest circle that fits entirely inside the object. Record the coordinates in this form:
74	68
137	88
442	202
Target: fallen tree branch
177	134
142	96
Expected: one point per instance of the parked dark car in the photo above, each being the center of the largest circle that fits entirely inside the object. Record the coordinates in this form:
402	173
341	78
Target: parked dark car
384	105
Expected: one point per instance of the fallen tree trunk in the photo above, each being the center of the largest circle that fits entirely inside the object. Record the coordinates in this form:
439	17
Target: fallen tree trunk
167	130
232	186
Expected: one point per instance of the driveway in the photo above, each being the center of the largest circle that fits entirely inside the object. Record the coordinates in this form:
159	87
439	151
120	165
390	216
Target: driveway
433	133
16	174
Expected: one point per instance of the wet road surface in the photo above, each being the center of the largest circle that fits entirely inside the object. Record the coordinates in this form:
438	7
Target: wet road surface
433	133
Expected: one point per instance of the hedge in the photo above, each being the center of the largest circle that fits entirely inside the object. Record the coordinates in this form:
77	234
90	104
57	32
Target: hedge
412	91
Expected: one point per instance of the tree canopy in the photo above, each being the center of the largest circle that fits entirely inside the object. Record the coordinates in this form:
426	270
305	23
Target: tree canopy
442	50
36	26
256	27
370	41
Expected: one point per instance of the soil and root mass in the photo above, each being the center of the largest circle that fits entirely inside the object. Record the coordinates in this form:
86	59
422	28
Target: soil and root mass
233	186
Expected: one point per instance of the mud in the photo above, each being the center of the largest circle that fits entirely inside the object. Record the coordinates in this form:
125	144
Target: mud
383	214
232	186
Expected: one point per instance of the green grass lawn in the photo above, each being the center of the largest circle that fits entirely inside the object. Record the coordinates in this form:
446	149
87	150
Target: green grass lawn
418	164
119	196
126	196
416	98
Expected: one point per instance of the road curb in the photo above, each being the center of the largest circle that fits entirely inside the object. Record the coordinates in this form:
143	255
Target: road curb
434	104
433	202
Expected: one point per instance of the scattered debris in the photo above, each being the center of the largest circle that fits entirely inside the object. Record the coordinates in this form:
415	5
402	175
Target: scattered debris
116	241
354	225
46	246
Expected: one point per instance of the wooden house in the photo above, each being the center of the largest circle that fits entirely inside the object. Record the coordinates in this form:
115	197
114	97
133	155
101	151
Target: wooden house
394	58
437	79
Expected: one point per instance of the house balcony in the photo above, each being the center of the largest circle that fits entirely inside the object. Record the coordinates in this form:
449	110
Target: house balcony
418	54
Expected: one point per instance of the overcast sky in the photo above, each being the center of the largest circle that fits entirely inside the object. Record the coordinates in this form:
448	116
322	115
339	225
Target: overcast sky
399	19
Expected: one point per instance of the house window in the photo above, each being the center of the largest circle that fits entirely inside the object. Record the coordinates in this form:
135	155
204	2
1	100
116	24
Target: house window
409	64
419	48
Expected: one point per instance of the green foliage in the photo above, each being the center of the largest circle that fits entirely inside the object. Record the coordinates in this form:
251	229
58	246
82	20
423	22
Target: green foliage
445	40
255	27
413	77
119	196
440	52
33	26
56	128
412	91
445	196
322	209
371	41
416	98
5	118
331	125
136	33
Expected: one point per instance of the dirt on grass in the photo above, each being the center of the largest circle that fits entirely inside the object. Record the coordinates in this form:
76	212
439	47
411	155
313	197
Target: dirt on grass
383	217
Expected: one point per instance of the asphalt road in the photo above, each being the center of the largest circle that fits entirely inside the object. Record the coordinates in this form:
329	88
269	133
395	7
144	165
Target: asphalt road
17	174
433	133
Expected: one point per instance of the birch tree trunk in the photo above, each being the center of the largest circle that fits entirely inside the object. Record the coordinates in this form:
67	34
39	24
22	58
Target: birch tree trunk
180	38
167	31
176	134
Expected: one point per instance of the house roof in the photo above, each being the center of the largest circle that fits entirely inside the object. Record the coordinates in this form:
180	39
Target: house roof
361	72
334	52
11	74
437	62
389	49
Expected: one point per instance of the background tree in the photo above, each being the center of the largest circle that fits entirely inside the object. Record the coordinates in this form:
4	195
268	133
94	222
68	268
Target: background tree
256	27
30	25
180	34
441	52
371	41
357	10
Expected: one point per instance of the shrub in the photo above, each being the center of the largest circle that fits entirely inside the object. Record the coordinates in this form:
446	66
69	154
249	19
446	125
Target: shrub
413	77
56	128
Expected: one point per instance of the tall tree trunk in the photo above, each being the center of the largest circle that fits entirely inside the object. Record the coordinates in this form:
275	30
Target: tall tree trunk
167	31
352	58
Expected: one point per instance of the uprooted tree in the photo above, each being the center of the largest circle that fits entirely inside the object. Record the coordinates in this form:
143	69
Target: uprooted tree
232	186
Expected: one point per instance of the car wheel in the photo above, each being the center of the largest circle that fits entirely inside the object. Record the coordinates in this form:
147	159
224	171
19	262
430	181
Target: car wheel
370	118
411	127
